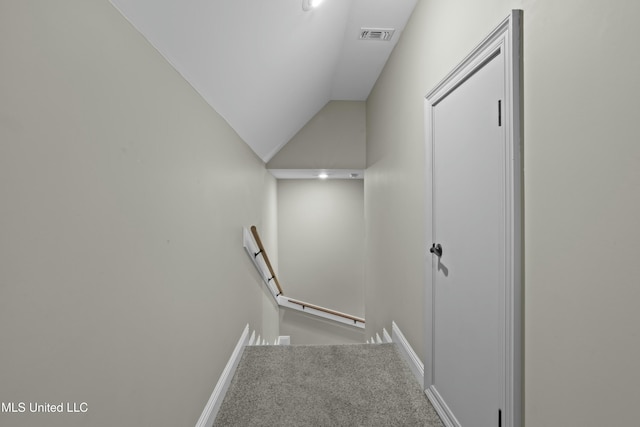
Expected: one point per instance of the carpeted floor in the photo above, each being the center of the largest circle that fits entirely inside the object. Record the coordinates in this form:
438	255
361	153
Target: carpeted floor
341	385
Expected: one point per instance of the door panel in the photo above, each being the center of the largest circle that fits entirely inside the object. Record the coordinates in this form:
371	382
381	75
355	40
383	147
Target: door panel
468	221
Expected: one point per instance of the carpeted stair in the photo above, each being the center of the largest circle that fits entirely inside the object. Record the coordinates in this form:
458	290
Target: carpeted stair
339	385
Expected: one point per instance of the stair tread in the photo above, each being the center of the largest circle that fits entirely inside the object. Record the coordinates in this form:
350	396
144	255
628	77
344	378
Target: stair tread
331	385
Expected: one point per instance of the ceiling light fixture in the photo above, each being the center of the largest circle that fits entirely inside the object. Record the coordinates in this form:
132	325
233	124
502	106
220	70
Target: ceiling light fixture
323	175
310	4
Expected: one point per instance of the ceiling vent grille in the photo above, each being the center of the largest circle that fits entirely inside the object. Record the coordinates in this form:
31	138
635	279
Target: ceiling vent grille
381	34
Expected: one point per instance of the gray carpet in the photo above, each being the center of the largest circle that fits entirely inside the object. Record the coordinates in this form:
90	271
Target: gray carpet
340	385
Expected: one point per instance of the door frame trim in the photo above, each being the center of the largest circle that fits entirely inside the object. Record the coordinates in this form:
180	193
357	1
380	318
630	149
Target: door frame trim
507	36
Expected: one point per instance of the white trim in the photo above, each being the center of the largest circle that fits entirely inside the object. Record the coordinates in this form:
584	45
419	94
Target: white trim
251	247
208	416
283	340
313	173
417	367
438	403
507	35
385	336
410	356
284	302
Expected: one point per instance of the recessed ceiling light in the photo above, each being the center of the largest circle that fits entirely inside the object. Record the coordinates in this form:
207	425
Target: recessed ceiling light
310	4
323	175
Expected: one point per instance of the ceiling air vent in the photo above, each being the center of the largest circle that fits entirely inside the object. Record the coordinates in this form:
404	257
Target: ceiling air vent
382	34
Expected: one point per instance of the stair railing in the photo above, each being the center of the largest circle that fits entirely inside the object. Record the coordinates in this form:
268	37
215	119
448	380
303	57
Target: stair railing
306	305
256	251
262	251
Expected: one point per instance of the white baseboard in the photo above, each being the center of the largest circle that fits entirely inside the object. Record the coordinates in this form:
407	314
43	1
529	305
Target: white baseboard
386	337
208	416
446	416
283	340
417	367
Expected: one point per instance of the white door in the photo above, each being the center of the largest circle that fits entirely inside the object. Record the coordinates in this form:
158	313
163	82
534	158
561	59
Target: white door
470	222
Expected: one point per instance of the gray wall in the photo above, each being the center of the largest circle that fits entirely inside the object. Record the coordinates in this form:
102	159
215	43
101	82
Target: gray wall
581	207
123	281
321	255
321	224
335	138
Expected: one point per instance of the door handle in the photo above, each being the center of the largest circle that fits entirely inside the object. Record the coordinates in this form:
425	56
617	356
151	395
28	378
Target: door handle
436	249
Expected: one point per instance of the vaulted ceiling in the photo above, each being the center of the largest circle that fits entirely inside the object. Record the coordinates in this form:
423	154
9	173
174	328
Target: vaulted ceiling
268	66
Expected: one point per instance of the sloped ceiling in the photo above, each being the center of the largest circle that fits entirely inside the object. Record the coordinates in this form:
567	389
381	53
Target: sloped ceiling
267	66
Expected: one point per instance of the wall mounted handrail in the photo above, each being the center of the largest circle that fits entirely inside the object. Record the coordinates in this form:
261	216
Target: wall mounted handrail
326	310
263	252
255	248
